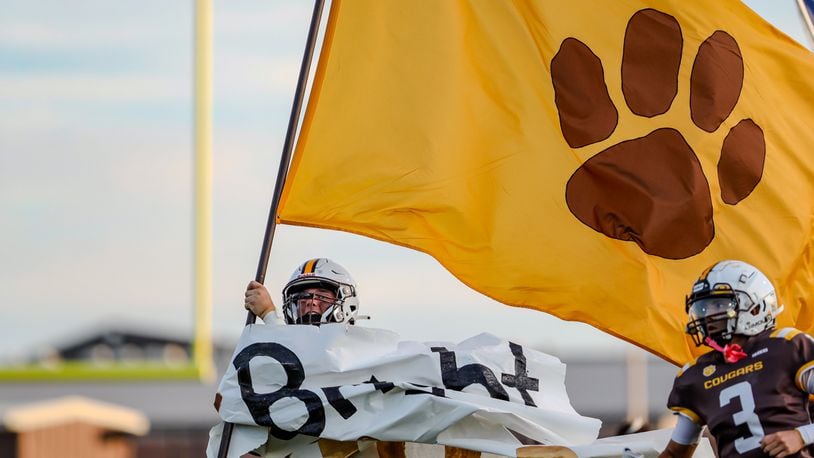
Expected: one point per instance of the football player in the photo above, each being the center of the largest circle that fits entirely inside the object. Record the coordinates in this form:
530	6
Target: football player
751	389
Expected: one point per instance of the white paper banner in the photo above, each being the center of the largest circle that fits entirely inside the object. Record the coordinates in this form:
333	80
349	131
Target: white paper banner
648	444
345	382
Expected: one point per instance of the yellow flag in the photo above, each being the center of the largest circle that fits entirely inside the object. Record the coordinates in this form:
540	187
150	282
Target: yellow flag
587	159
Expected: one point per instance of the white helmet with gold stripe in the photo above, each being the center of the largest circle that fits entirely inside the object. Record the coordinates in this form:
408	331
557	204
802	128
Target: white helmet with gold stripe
731	298
320	291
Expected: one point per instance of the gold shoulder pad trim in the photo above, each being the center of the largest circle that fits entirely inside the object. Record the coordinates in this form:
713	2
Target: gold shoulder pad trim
798	377
785	333
686	366
687	413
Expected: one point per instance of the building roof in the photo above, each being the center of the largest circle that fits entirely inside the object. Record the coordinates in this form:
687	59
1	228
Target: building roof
71	409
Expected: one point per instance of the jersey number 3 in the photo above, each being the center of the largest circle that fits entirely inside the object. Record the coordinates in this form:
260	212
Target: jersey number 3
746	415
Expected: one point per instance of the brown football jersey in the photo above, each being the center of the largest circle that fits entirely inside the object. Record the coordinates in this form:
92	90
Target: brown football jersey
744	401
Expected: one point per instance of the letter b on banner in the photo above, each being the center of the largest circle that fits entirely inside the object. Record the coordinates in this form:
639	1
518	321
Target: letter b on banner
260	403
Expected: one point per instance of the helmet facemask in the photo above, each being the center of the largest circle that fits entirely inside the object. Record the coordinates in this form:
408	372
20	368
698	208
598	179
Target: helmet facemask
306	307
715	317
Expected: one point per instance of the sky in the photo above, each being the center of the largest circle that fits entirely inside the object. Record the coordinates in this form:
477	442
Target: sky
96	181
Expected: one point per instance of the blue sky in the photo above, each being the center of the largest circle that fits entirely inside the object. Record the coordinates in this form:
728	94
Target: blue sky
96	180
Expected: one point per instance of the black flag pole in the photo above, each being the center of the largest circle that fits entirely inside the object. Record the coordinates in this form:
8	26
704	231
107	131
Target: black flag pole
282	173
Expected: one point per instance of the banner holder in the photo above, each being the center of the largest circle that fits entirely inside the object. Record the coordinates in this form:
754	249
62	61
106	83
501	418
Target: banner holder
282	173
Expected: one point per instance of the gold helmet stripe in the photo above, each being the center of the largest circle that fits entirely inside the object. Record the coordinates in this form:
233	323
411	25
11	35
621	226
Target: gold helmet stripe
706	272
309	266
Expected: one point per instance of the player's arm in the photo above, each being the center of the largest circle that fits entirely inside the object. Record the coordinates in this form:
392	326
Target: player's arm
676	450
684	439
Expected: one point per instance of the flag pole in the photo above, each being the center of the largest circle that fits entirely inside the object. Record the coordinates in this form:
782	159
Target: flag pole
805	15
282	173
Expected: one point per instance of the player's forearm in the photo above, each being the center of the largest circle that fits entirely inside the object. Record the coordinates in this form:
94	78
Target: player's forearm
676	450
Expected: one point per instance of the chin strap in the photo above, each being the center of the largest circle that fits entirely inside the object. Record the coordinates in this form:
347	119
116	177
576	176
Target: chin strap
732	352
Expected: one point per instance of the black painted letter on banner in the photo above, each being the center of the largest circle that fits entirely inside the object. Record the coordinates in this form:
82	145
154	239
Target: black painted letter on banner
520	379
457	379
260	403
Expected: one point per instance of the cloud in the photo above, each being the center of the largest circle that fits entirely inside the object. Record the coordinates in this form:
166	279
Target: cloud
120	89
93	24
240	18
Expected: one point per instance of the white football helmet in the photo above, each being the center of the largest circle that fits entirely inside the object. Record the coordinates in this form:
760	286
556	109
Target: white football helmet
326	274
729	298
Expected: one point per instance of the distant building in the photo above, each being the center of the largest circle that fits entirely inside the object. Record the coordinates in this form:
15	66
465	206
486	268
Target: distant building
179	412
71	426
122	346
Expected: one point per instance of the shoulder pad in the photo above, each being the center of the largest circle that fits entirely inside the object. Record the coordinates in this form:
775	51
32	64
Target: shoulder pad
686	366
785	333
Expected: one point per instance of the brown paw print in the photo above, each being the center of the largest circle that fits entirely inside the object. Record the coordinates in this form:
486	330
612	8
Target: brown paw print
651	190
